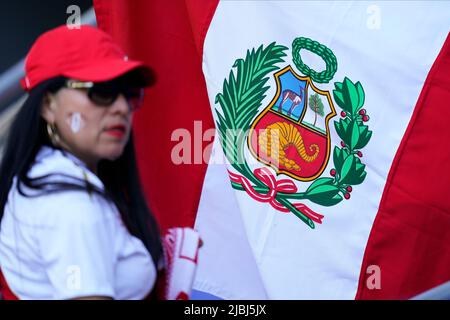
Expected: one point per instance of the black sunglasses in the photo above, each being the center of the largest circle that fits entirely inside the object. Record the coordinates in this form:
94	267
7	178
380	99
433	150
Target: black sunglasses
105	93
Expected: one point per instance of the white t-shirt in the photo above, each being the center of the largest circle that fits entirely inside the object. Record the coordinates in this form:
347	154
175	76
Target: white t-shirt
70	244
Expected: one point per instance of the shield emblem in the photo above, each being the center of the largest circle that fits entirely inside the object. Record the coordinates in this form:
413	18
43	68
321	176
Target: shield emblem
291	134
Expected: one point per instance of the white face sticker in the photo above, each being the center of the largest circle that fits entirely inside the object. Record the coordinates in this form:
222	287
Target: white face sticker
76	122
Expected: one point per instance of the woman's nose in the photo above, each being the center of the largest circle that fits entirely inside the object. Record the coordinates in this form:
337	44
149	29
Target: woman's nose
120	105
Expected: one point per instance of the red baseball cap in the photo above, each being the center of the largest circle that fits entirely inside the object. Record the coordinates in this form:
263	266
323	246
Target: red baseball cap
85	54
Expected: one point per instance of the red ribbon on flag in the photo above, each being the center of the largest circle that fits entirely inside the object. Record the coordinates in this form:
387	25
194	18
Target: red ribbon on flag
275	186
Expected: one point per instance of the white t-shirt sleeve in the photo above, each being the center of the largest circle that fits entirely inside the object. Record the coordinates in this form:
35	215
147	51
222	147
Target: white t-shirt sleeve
77	244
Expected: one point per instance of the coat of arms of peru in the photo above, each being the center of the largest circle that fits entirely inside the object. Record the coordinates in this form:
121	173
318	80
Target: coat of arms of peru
291	135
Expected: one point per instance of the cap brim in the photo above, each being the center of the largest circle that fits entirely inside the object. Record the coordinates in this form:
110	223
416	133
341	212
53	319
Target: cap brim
109	70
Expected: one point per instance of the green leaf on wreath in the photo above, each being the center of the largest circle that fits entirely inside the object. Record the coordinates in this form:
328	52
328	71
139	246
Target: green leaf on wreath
348	168
361	95
322	194
356	173
339	156
357	179
319	182
359	168
360	173
354	134
339	98
350	94
333	201
364	138
341	127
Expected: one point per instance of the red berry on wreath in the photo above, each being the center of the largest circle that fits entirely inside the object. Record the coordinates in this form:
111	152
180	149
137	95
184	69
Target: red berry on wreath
343	114
365	118
347	196
342	144
362	112
360	154
333	172
349	189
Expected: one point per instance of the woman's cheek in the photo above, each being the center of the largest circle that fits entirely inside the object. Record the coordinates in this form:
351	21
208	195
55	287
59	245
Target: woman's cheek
76	122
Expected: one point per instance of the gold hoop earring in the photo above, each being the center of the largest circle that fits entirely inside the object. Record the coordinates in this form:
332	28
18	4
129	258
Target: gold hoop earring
52	133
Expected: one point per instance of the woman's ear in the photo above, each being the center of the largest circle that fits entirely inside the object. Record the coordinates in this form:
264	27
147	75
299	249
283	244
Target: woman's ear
48	108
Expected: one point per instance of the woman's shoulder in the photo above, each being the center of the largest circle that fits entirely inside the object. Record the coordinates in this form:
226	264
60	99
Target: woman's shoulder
59	165
73	208
60	207
49	160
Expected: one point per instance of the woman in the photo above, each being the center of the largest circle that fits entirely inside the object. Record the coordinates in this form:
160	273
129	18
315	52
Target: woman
74	221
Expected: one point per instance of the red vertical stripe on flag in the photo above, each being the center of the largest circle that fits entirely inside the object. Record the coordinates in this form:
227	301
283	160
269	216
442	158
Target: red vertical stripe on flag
410	238
169	36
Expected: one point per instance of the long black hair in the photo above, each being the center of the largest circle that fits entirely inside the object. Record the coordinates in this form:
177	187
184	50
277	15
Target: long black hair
120	177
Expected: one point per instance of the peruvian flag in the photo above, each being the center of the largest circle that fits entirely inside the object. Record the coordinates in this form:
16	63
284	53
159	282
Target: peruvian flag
307	141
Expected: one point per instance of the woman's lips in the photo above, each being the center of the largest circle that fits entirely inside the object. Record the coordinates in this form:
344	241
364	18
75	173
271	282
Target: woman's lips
117	131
